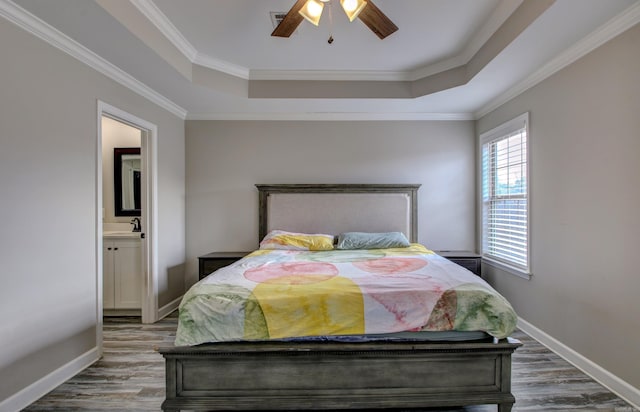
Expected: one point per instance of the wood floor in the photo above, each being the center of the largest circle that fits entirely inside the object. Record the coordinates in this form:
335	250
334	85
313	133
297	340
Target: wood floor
130	377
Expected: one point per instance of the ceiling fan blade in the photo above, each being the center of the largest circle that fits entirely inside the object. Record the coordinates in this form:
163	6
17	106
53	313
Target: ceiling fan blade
291	21
376	20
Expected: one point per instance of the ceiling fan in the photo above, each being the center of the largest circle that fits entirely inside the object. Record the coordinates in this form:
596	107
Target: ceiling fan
311	10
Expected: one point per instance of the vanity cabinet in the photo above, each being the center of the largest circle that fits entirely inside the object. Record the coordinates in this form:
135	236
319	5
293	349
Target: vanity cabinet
122	273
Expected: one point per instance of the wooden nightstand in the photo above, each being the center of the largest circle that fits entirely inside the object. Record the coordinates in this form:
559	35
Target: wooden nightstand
215	260
468	260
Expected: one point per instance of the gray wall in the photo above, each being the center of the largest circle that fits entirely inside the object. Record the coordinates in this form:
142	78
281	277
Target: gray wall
225	159
585	198
48	114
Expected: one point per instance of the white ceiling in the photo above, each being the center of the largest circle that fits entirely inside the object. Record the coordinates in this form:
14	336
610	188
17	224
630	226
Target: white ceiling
199	58
238	32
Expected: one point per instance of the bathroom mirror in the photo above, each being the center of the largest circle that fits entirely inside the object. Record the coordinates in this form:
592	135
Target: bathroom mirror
126	181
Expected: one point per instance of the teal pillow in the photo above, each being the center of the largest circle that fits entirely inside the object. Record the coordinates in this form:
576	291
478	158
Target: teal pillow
363	240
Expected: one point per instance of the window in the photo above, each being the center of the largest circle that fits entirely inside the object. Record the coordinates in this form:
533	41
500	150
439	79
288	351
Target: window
505	196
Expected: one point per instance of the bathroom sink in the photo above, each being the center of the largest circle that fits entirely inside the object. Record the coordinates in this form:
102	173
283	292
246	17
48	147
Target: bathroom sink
120	233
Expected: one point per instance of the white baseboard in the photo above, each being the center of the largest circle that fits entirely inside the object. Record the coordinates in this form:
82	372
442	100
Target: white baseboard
607	379
43	386
167	309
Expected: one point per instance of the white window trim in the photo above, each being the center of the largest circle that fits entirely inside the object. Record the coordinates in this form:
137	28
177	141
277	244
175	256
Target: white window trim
486	137
508	268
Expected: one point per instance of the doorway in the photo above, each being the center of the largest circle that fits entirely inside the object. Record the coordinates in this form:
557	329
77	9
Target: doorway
122	230
147	135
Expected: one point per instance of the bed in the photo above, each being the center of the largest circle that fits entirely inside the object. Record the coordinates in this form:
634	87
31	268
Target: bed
256	368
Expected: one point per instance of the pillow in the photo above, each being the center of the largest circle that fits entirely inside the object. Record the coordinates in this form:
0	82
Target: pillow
280	239
362	240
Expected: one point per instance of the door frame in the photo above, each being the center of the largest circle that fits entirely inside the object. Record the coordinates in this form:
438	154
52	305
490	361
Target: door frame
149	156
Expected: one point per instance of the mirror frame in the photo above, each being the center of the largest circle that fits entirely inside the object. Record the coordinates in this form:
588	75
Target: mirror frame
117	180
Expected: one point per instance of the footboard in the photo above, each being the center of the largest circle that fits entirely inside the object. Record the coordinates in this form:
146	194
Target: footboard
334	375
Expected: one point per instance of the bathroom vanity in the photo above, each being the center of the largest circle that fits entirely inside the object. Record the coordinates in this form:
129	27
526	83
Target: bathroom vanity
122	270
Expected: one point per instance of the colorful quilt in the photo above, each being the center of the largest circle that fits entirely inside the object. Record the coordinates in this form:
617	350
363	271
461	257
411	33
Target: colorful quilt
276	294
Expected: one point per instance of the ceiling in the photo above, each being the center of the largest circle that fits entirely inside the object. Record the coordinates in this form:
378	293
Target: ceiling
215	59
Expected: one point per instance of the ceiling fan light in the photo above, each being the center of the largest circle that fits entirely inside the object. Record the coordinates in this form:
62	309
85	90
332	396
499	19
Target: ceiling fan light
312	11
353	7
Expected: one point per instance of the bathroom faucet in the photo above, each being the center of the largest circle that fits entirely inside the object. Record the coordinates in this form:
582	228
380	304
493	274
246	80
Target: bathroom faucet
136	224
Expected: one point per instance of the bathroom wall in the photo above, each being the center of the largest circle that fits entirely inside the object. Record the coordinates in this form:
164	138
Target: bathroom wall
114	134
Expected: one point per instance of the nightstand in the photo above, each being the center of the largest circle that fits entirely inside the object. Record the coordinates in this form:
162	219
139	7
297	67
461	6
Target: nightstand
468	260
216	260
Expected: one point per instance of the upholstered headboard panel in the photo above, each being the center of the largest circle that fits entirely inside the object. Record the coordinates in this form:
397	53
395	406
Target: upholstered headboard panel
334	209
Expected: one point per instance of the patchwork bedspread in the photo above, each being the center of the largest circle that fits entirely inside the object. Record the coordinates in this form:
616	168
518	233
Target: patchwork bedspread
275	294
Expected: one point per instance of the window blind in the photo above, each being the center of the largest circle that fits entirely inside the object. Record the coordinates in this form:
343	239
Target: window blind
505	197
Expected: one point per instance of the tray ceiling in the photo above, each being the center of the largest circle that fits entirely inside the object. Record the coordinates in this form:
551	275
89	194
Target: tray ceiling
450	59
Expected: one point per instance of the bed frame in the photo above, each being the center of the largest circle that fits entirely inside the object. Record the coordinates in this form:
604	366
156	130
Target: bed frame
328	375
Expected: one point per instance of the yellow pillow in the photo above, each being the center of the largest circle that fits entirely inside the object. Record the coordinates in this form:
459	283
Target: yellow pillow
280	239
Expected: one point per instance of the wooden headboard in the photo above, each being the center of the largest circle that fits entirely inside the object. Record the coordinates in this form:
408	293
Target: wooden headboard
337	208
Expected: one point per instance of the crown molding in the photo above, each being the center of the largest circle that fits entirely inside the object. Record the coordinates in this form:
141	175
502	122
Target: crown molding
497	18
35	26
614	27
171	32
332	75
333	116
149	9
221	66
